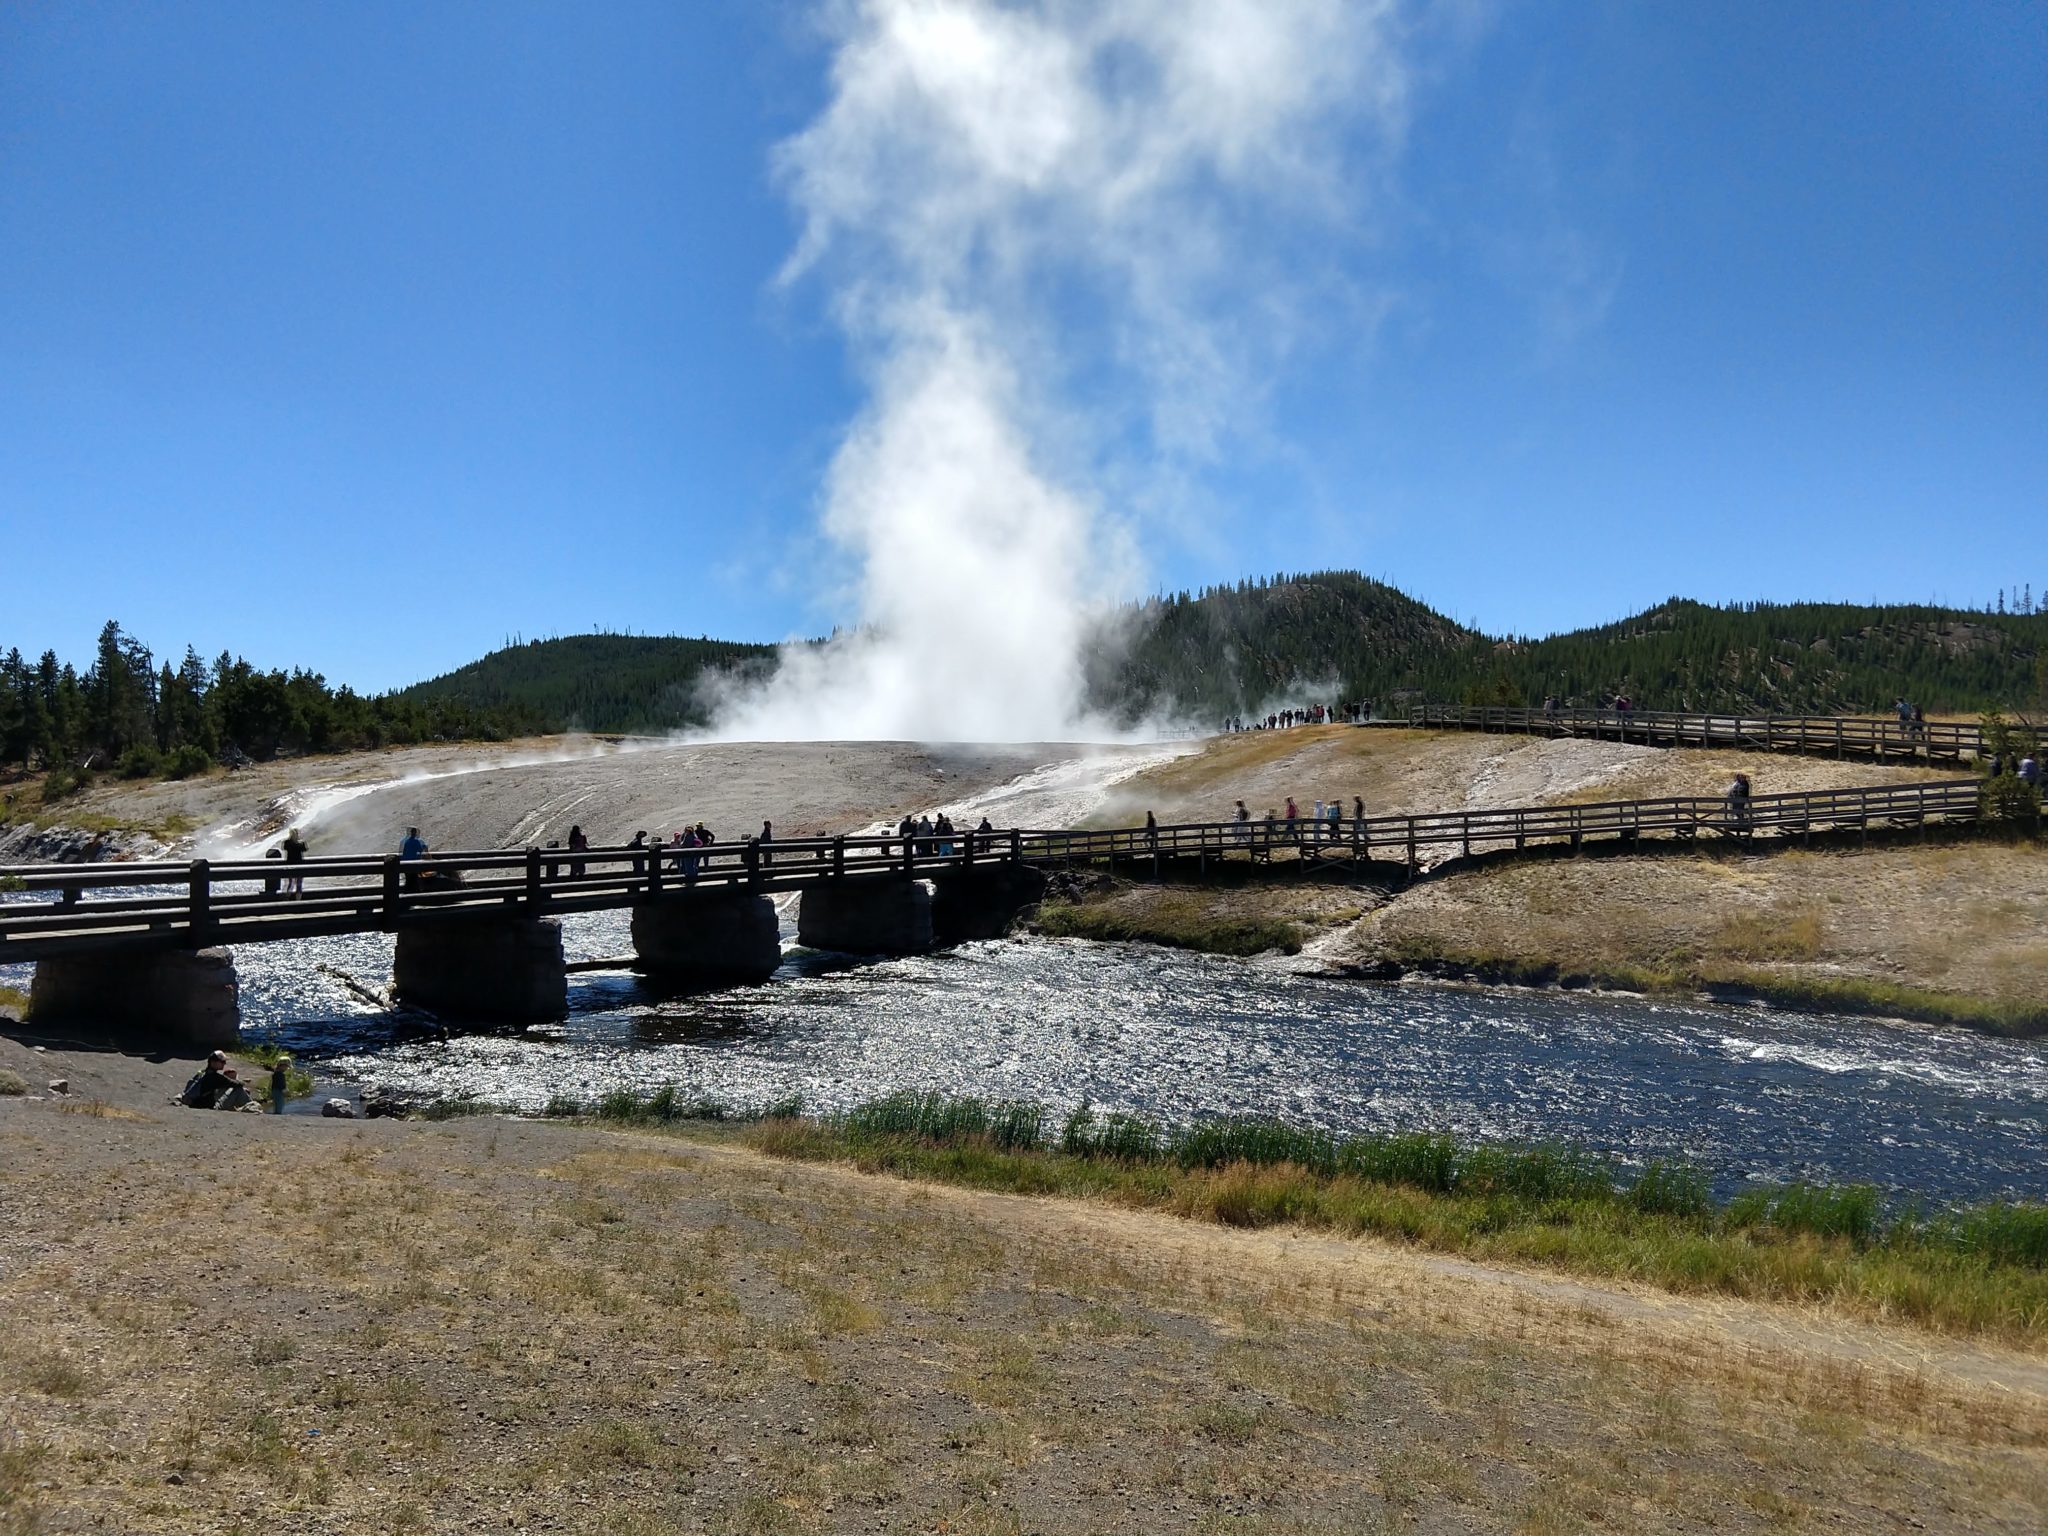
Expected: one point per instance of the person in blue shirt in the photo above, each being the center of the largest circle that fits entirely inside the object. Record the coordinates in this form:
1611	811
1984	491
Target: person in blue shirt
412	850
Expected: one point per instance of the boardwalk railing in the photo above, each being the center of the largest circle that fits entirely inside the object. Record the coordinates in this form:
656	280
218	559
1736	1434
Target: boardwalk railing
1929	741
1406	837
69	909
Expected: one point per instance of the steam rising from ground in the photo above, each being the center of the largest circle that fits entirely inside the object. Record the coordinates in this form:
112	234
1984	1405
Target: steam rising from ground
1054	233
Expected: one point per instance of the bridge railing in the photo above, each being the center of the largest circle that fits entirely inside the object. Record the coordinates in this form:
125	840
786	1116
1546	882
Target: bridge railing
69	908
1842	735
1407	835
205	902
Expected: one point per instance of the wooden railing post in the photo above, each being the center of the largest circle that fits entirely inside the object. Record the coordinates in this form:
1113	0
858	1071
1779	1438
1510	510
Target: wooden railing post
394	886
1016	846
200	902
654	871
839	857
533	895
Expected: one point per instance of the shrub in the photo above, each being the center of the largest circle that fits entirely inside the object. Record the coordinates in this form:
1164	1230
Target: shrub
186	762
12	1084
141	762
2008	798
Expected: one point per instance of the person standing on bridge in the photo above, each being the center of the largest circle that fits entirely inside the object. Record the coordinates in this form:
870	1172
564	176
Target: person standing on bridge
294	853
767	837
578	843
411	851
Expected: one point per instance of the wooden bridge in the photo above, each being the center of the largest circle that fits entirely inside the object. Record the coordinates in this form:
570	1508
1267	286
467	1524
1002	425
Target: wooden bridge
1931	741
143	942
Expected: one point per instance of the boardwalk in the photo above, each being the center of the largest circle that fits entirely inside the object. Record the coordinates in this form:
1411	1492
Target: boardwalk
1814	735
55	910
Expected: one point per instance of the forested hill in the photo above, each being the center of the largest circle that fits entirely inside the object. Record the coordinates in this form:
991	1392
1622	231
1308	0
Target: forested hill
1263	643
598	682
1337	634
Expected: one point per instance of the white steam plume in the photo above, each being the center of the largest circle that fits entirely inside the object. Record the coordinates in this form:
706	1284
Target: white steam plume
1055	233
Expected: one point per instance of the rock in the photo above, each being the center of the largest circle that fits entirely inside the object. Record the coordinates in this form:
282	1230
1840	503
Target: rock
383	1104
60	1085
338	1109
175	1480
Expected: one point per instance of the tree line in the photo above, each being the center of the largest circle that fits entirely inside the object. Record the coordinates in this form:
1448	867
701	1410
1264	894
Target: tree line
1337	635
129	714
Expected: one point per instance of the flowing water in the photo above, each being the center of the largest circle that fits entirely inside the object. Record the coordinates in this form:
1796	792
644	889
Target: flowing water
1748	1092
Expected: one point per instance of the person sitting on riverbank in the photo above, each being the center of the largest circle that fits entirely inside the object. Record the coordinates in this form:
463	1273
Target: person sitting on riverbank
208	1084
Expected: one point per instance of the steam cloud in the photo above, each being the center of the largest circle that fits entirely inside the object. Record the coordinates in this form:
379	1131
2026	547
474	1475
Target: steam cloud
1054	234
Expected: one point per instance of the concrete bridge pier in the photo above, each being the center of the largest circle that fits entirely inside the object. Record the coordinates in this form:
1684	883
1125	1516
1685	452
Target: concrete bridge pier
508	969
178	997
871	917
708	936
982	903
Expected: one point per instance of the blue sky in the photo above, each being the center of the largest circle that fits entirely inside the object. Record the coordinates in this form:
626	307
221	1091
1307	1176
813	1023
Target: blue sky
361	336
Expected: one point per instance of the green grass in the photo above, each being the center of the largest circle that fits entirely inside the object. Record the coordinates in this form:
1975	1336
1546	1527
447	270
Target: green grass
1176	924
15	998
1976	1270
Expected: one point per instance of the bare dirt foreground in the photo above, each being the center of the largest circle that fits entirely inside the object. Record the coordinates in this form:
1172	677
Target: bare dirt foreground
232	1323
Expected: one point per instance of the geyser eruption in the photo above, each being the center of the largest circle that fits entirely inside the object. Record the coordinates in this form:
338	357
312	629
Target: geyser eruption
1055	233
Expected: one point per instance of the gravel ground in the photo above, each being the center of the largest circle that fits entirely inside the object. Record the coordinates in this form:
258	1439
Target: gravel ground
228	1323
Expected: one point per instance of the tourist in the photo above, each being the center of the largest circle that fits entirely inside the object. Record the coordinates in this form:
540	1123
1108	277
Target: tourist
1152	831
767	836
271	882
924	835
1244	823
208	1084
2030	770
944	828
411	851
294	853
235	1095
1293	816
692	843
1358	808
578	843
1737	799
638	848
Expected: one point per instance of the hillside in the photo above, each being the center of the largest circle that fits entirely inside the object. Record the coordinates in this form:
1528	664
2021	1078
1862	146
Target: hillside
598	682
1262	644
1339	634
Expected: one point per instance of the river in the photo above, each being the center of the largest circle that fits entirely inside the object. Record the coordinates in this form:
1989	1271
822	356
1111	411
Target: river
1750	1093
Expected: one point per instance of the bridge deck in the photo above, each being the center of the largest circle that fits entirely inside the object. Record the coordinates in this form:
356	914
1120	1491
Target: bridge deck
71	909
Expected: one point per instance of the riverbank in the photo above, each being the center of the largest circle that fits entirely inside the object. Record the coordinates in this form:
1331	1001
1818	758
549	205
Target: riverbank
245	1321
1945	932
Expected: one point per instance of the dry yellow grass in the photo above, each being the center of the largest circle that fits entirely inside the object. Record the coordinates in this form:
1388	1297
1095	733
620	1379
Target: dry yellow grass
1958	919
322	1327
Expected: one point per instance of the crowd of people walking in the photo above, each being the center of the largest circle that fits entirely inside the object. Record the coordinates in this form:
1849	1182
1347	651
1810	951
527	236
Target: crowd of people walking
1355	713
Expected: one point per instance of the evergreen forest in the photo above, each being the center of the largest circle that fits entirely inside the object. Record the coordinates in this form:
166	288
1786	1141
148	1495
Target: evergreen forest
127	713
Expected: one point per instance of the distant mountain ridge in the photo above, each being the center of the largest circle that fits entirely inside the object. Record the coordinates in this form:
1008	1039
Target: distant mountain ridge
1261	643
